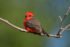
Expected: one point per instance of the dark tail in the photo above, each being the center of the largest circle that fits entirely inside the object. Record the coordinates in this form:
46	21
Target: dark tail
47	34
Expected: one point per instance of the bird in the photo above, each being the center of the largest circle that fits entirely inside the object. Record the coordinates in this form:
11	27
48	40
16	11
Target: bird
32	25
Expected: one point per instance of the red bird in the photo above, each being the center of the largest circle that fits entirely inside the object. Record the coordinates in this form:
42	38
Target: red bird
32	25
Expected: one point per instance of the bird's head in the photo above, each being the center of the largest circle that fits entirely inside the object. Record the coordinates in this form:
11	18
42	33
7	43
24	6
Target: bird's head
29	15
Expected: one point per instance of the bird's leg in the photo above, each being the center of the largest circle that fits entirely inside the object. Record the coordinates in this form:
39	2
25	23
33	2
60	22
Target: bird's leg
45	33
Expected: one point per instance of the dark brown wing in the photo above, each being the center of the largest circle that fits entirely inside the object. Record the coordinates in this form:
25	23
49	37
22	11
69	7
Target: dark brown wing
33	23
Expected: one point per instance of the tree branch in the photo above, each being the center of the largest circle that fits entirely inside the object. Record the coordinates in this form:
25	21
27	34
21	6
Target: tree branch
62	29
12	25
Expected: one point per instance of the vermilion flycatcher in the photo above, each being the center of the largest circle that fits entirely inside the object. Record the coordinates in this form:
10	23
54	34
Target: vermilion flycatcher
32	25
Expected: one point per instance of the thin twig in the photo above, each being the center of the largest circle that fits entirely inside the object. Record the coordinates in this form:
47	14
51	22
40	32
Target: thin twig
68	11
12	25
62	29
60	18
64	17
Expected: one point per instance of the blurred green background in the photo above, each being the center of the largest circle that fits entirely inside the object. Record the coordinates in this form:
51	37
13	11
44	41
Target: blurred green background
46	11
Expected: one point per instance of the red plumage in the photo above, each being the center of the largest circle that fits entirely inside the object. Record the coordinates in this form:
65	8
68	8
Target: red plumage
32	25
